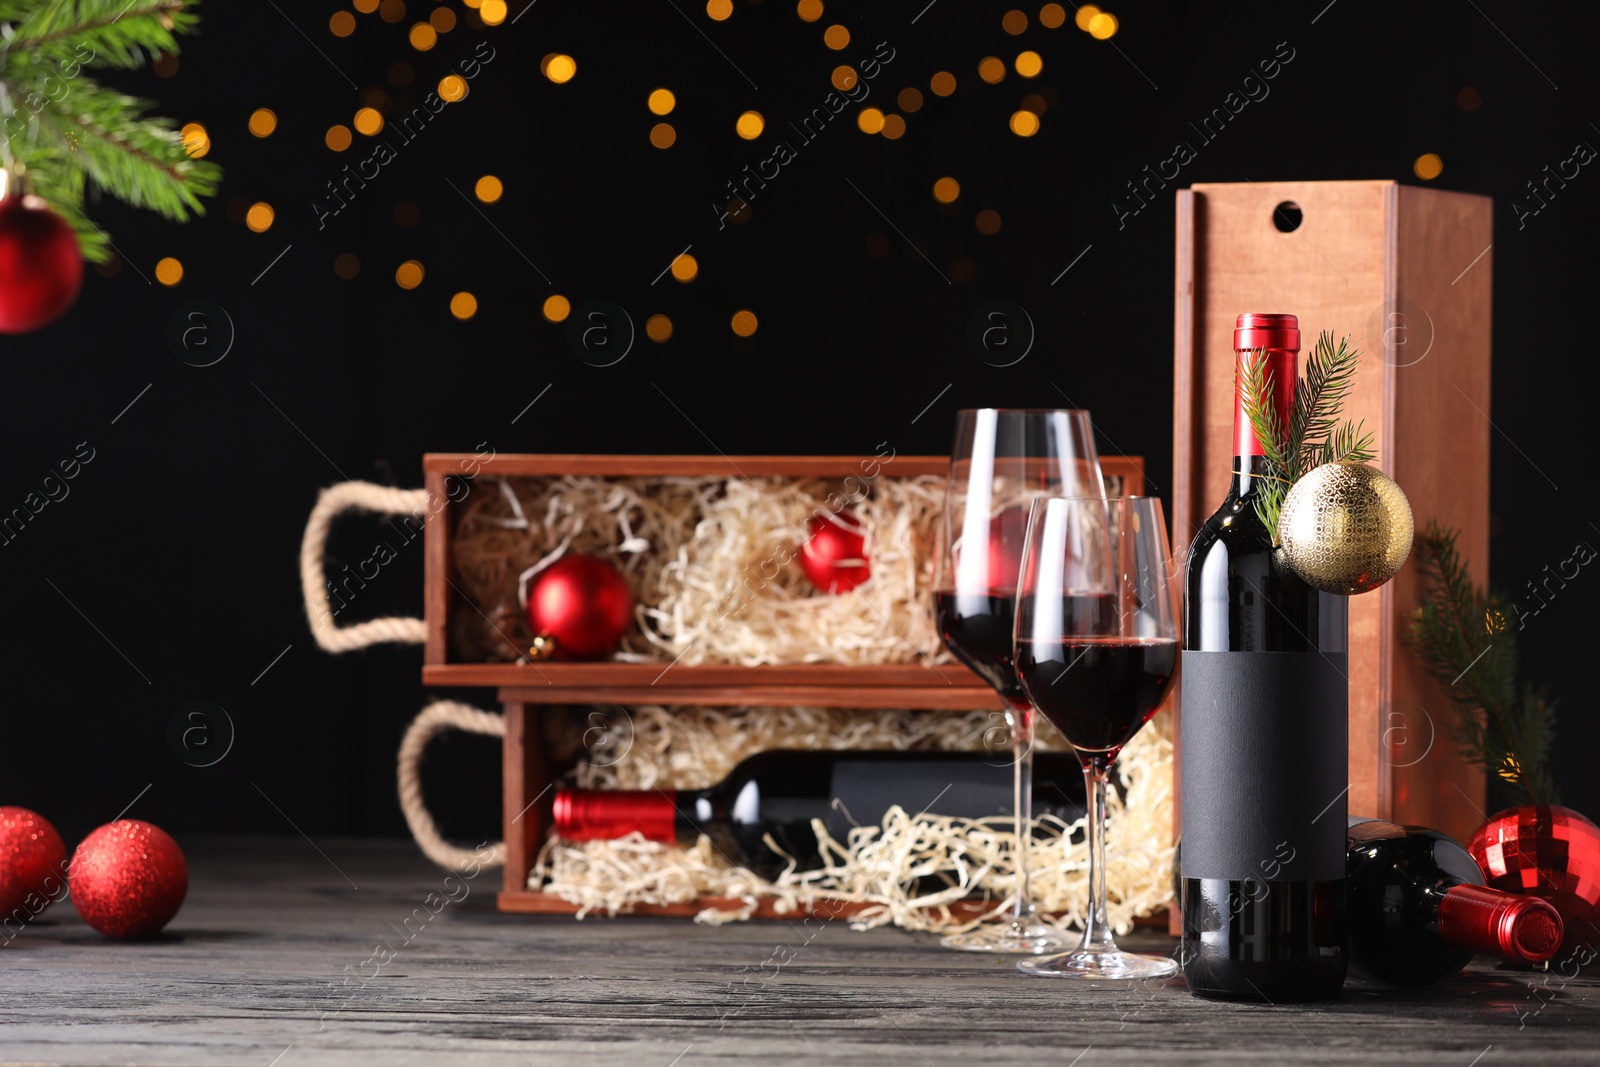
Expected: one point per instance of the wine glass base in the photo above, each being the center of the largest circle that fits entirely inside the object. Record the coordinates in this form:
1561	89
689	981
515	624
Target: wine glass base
1114	964
1026	936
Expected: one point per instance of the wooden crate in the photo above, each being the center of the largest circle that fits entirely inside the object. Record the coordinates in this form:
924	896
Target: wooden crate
1406	270
525	691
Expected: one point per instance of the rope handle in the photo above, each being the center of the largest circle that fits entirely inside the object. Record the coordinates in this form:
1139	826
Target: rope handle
433	720
353	496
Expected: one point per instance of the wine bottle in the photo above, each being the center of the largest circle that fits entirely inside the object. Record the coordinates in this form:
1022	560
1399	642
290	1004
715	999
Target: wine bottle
1418	909
1263	738
778	792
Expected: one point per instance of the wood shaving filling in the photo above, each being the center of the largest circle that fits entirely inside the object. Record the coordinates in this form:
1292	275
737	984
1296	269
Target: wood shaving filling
889	866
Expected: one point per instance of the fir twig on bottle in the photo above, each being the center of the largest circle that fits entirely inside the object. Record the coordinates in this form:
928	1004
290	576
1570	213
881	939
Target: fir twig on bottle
1461	635
63	133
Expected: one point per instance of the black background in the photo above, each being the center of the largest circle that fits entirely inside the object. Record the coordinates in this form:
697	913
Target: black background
170	572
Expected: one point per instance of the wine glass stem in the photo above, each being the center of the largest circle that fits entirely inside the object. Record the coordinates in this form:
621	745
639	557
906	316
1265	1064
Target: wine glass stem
1096	927
1021	716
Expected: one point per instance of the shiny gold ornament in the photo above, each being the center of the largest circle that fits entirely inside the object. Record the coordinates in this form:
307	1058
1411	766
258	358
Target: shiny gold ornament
1494	621
1345	528
1509	768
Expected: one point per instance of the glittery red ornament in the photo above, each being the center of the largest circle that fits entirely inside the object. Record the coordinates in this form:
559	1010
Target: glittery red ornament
33	865
128	878
1007	531
41	268
834	556
579	608
1552	853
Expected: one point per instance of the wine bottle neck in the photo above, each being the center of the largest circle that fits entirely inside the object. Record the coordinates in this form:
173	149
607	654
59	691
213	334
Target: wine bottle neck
603	815
1517	927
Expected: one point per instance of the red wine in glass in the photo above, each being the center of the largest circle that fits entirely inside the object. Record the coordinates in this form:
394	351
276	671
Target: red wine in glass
977	627
1098	690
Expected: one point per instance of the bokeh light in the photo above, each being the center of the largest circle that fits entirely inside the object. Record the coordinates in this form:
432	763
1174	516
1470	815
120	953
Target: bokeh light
843	77
1468	99
809	10
391	10
169	271
910	99
366	7
1103	26
658	328
492	12
165	66
443	20
196	141
719	10
1029	64
1024	123
452	87
946	190
408	275
750	124
744	322
487	189
662	135
342	23
557	308
1014	22
685	268
347	265
942	83
870	120
1052	16
259	217
337	138
662	102
1428	166
558	68
1084	15
836	37
463	305
368	121
894	127
263	121
987	222
991	69
423	36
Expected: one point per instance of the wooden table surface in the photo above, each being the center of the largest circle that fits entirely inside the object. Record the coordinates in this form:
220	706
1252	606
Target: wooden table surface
274	961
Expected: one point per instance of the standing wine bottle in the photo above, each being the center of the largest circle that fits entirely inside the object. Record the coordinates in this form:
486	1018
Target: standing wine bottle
1263	738
777	793
1418	908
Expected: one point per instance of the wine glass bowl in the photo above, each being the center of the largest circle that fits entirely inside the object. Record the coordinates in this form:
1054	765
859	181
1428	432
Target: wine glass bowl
1003	460
1096	652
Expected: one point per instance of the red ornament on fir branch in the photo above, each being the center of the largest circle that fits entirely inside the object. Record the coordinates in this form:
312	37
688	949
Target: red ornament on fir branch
834	556
1553	853
579	608
33	865
41	268
128	879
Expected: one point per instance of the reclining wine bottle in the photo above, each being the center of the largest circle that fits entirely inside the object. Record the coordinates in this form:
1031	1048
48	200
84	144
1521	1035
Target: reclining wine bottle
1418	908
1263	737
777	793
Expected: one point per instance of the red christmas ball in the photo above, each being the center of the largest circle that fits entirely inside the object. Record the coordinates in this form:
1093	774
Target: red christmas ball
834	556
41	268
128	878
33	865
1553	853
1007	531
581	606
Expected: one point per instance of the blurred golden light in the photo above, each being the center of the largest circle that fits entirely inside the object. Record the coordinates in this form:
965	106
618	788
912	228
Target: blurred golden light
942	83
843	77
346	265
1035	103
809	10
662	135
1029	64
472	3
492	12
259	217
196	141
685	268
463	305
452	87
870	120
662	102
169	271
263	122
991	69
165	66
1084	15
443	20
1024	123
488	189
557	308
337	138
1014	22
910	99
894	127
1103	26
423	36
366	7
368	121
391	10
658	328
988	222
719	9
836	37
1052	16
945	190
557	67
744	322
401	73
1428	166
408	275
342	23
750	125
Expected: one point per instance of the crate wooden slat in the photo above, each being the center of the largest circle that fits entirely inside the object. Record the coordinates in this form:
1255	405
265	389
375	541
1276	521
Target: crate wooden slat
1367	256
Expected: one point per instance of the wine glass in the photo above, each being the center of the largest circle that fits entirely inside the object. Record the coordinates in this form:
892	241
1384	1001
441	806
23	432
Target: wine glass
1097	653
1002	460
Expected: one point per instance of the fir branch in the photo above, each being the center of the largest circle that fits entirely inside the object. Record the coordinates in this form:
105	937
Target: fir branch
1257	389
1462	638
116	33
1318	398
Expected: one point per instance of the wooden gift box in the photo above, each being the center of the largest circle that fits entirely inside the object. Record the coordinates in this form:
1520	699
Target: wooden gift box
525	690
1406	270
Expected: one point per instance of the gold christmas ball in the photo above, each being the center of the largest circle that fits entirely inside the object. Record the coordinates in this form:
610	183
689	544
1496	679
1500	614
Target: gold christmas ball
1345	528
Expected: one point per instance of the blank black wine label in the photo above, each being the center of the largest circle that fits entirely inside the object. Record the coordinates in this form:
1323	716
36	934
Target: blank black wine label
1263	772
